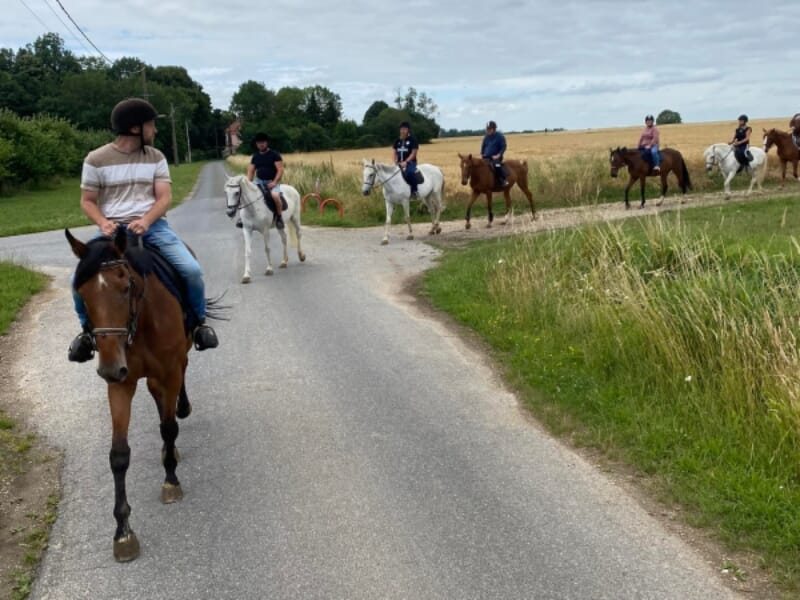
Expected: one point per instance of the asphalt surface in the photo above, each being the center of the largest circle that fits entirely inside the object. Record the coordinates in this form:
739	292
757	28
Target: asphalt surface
342	445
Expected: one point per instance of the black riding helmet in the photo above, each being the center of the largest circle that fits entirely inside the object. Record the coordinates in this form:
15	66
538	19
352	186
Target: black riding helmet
649	118
131	112
743	118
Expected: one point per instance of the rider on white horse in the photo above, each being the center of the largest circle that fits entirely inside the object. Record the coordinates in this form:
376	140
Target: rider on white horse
404	152
741	142
266	170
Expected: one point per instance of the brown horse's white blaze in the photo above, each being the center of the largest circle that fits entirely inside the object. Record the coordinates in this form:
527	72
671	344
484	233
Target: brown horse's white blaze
139	333
479	174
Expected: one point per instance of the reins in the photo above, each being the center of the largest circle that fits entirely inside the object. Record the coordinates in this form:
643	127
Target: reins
383	182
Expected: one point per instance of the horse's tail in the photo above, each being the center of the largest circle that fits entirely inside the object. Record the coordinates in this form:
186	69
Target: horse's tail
216	310
294	222
686	183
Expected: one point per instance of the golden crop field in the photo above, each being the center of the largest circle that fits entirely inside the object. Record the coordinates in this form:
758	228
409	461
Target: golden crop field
567	167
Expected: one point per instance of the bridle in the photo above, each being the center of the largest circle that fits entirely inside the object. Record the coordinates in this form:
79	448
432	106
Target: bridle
718	161
133	303
239	194
371	177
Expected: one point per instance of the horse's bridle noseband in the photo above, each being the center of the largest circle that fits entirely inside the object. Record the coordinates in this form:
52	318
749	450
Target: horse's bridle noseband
133	304
382	181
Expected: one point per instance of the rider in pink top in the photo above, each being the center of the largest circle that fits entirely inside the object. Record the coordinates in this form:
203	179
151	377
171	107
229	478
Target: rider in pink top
648	142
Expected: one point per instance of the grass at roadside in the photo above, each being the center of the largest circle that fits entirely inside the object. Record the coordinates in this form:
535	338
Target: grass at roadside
18	285
667	342
58	206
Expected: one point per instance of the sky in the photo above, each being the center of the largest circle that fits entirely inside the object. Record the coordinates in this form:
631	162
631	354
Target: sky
526	64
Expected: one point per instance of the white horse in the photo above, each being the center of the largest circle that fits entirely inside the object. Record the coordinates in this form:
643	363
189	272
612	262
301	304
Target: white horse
245	196
397	191
723	155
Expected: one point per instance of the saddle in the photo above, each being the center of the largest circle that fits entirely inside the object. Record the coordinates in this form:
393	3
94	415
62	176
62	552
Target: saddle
270	201
154	262
418	175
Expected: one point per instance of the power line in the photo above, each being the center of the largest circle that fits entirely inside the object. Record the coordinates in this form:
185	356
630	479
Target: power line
75	37
46	27
69	16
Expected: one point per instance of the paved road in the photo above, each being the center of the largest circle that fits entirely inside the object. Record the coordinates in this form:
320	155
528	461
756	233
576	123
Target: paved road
342	445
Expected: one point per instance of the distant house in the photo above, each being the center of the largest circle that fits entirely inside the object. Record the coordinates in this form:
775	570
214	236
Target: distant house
233	137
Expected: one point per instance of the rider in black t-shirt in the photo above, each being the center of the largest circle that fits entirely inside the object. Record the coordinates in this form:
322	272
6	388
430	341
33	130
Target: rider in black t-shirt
266	170
404	152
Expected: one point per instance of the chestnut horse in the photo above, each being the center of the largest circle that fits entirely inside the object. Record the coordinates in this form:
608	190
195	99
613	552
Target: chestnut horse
138	331
480	175
787	151
639	169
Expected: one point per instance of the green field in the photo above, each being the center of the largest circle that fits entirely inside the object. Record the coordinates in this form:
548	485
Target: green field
666	342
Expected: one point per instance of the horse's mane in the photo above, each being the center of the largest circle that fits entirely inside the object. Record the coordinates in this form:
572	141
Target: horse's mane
102	250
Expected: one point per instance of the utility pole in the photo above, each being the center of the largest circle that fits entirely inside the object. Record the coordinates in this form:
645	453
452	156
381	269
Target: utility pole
174	139
144	83
188	144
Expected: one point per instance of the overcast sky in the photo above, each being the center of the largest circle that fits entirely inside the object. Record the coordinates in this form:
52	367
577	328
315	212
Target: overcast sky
526	64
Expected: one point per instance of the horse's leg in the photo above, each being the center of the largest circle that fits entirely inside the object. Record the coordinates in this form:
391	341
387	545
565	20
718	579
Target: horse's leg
184	406
407	212
642	181
473	196
489	208
285	260
783	173
509	208
265	233
389	209
171	488
126	545
295	220
794	169
523	185
248	244
727	183
664	174
628	187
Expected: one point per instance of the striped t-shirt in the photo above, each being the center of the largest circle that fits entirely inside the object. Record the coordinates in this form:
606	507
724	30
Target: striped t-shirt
124	180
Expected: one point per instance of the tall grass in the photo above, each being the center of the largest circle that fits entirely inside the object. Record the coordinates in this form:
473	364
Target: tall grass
664	346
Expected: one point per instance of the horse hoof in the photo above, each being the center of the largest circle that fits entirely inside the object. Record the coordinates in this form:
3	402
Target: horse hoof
171	493
468	226
246	279
409	237
184	410
384	242
438	229
126	548
488	226
283	265
268	272
302	257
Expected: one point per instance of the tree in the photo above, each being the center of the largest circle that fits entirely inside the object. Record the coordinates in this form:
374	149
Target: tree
668	117
253	101
373	111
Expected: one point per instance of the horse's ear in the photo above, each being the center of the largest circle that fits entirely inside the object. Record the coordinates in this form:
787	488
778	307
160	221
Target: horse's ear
460	156
469	157
121	239
373	162
79	249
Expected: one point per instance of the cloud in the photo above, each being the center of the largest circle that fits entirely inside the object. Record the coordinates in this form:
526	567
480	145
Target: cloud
528	65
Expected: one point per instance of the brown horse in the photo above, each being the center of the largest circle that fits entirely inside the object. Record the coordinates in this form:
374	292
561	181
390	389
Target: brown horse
639	169
138	331
787	151
480	175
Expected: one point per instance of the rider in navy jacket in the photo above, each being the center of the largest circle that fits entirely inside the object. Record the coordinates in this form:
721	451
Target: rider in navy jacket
492	149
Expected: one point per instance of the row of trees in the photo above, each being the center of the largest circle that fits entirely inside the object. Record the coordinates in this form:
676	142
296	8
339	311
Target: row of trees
46	78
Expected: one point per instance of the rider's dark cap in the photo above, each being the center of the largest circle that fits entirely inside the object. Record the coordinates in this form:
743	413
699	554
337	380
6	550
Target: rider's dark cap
262	137
491	125
405	124
131	112
649	118
743	118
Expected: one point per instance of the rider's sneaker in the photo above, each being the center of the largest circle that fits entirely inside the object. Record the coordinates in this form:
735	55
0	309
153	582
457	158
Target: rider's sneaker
205	337
657	170
414	195
82	347
279	222
239	223
503	183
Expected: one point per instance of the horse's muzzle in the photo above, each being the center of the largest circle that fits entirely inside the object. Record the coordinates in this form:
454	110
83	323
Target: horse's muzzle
114	373
230	212
365	192
614	172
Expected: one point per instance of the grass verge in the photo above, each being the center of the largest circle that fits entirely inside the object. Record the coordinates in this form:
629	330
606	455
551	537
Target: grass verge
666	342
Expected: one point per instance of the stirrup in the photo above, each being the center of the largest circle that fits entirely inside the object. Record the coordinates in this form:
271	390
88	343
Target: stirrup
279	222
205	337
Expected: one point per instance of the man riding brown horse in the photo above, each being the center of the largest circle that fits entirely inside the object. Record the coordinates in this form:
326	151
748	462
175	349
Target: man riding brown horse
493	147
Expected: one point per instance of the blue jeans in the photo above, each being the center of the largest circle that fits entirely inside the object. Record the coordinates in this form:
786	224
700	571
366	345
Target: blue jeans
411	175
262	183
178	255
653	152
